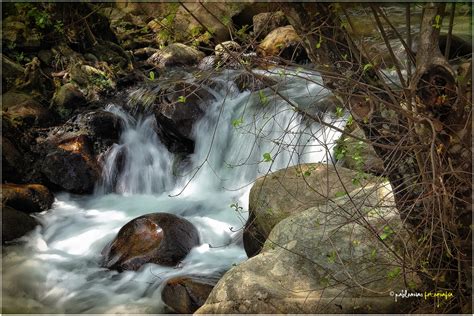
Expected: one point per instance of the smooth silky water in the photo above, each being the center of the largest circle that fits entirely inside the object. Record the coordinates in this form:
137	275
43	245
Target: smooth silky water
57	268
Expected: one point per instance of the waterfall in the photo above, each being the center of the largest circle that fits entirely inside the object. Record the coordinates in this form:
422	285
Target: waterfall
242	135
140	163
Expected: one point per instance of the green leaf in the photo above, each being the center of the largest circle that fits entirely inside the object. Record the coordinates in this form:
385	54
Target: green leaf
350	121
392	274
267	157
340	193
339	111
373	254
368	66
182	99
152	75
237	122
331	257
318	45
263	97
387	232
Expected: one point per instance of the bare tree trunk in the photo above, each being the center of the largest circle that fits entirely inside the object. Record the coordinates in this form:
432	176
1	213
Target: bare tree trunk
428	126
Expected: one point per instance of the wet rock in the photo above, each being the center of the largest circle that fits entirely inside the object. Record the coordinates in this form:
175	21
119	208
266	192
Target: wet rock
159	238
15	224
184	295
71	166
253	82
176	54
264	23
290	191
28	198
178	108
324	260
208	63
283	42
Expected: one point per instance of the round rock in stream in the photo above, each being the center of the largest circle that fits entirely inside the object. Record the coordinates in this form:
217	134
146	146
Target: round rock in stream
159	238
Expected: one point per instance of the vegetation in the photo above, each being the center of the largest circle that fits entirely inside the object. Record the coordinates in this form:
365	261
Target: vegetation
412	101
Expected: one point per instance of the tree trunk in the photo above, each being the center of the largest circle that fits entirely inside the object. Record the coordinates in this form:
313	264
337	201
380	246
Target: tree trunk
421	132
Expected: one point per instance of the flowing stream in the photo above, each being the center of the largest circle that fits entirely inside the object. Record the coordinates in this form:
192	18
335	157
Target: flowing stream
242	135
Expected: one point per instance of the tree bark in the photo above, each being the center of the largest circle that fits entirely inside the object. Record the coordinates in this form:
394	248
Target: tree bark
428	127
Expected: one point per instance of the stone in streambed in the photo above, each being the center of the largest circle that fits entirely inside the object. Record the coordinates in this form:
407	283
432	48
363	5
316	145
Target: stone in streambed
184	295
15	224
159	238
28	198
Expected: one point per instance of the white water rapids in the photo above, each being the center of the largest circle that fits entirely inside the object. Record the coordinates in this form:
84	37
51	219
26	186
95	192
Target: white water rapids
56	269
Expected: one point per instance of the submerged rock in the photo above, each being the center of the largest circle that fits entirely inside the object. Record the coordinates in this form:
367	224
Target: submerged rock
184	295
15	224
28	198
159	238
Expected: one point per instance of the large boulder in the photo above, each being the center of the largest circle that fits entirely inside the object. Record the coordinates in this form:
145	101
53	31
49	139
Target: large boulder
283	42
71	166
176	54
72	151
184	295
326	259
292	190
15	224
101	127
28	198
159	238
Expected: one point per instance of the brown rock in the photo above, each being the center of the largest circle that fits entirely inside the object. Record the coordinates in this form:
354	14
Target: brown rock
159	238
184	295
15	224
28	198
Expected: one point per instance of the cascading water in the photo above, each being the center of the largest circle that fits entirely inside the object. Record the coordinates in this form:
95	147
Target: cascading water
242	135
140	163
